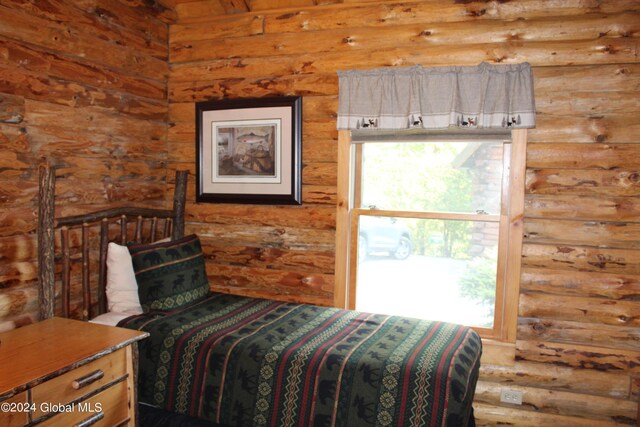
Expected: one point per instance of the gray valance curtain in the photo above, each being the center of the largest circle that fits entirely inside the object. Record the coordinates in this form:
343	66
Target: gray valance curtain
483	96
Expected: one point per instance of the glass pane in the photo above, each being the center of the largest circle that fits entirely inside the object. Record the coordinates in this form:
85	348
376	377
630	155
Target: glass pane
430	269
463	177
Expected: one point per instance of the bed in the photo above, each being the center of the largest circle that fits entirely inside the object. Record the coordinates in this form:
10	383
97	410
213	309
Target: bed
237	361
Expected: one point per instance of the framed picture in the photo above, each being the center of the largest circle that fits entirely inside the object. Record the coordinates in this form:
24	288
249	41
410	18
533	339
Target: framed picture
249	150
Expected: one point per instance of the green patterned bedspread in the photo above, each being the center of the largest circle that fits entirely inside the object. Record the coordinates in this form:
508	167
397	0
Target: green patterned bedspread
243	361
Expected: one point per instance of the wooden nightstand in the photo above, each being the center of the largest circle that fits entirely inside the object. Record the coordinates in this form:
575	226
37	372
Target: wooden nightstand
67	372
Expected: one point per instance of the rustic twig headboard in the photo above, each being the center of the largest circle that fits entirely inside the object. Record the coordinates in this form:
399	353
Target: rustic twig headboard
80	236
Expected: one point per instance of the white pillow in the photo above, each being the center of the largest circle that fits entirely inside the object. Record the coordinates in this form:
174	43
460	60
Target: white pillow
122	288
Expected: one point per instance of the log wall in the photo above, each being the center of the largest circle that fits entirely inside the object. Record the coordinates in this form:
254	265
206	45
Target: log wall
105	91
578	343
83	85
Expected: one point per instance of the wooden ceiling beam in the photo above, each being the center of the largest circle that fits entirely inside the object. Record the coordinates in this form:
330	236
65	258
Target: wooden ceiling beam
235	6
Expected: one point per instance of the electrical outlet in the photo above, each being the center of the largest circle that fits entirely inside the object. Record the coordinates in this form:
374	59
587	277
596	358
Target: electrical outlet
511	396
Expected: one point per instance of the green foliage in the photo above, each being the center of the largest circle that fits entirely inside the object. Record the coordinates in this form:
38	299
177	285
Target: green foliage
479	281
419	177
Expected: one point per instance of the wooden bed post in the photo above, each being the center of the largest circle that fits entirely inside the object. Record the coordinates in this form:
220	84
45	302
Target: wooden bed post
179	199
46	214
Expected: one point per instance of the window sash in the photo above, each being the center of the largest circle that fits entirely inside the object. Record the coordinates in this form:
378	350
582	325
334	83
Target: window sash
499	349
502	218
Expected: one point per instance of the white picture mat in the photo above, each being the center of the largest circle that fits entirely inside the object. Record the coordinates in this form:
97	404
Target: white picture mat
209	120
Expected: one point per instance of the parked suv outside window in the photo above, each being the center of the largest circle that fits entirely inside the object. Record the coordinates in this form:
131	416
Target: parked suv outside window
383	234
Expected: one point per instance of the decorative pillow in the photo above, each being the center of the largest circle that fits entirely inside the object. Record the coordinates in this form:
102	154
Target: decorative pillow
170	275
122	288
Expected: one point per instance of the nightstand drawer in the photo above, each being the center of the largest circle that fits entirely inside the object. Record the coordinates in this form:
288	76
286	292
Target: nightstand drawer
78	382
108	408
15	411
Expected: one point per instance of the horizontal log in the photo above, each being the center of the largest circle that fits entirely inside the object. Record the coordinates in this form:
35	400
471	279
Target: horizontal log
72	198
280	238
109	170
106	20
555	377
47	140
18	248
11	108
490	415
91	119
249	68
282	283
74	94
13	135
269	258
586	27
595	103
232	26
581	259
576	182
320	174
315	150
578	283
547	78
596	408
569	307
199	10
390	13
42	62
549	82
610	128
595	208
579	356
308	85
18	301
56	36
14	165
17	221
137	192
17	193
311	217
138	16
537	53
262	5
587	79
588	333
319	194
320	108
590	233
583	156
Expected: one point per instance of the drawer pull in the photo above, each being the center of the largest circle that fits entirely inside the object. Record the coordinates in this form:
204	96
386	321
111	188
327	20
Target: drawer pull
91	420
87	379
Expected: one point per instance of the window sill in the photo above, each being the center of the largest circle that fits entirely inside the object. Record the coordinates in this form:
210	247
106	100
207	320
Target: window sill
498	353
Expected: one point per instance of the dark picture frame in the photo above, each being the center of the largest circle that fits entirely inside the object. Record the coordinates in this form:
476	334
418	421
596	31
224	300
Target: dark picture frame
249	151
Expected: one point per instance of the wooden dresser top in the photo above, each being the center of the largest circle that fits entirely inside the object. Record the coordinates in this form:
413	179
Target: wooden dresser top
37	352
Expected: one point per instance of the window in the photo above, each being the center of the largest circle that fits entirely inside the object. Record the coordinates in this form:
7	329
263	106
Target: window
431	226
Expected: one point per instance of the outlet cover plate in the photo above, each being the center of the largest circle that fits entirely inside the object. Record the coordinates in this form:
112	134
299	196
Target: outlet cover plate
511	396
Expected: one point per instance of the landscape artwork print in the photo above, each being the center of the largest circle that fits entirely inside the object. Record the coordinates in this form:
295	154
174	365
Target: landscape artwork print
249	151
246	151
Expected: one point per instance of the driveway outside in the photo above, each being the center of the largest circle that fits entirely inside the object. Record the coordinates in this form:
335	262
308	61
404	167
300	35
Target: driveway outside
420	286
